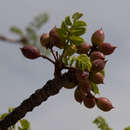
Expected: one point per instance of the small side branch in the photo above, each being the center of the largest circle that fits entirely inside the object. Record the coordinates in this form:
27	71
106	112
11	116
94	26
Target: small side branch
45	57
6	39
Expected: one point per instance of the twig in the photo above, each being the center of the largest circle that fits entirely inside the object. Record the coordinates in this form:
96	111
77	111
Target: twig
45	57
52	51
3	38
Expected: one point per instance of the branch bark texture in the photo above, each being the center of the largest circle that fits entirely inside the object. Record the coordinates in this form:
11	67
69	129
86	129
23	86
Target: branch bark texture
51	88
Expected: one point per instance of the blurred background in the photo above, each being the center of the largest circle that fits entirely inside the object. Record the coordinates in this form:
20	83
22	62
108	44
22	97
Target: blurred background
20	77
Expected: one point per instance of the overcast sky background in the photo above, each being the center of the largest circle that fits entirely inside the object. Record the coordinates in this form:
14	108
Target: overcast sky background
20	77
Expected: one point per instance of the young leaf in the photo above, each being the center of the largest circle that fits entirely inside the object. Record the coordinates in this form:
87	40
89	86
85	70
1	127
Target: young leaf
128	128
77	16
72	61
25	124
76	40
103	72
94	88
64	27
39	20
83	62
3	116
101	123
61	33
16	30
78	31
67	20
32	35
79	24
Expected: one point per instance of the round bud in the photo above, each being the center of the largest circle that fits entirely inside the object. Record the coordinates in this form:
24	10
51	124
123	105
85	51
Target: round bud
70	85
97	78
104	104
97	37
98	65
31	52
85	87
107	48
96	55
89	101
83	48
55	39
77	95
44	39
81	76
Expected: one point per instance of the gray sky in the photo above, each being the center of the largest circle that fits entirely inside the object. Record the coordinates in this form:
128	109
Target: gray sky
19	77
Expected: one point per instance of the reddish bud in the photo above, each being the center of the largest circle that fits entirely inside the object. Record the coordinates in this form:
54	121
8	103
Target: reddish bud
98	65
30	52
83	48
70	85
81	76
55	39
44	39
89	101
104	104
97	37
77	95
96	55
97	78
107	48
85	87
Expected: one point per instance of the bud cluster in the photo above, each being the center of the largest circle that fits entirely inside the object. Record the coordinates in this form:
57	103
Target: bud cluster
96	52
89	64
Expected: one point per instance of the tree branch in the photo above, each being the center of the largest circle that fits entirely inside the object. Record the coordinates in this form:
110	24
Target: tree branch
51	88
3	38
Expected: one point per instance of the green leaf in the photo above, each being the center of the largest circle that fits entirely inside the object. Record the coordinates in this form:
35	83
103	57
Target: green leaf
78	31
79	24
19	128
61	33
72	61
103	72
64	27
16	30
39	20
70	50
3	116
25	124
76	40
95	88
67	20
128	128
32	35
65	60
10	109
101	123
77	16
83	62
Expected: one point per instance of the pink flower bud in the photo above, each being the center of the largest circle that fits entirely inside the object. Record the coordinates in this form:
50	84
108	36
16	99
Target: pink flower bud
85	87
96	55
55	39
81	76
31	52
97	78
83	48
98	65
107	48
89	101
97	37
77	95
104	104
44	39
